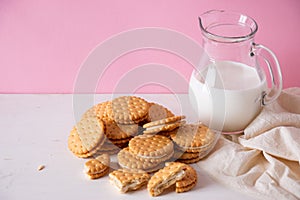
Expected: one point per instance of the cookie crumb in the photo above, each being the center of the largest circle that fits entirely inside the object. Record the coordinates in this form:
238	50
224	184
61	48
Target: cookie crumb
41	167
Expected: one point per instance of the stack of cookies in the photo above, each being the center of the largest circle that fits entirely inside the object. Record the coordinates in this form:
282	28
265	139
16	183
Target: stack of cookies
192	142
122	118
146	152
107	127
146	137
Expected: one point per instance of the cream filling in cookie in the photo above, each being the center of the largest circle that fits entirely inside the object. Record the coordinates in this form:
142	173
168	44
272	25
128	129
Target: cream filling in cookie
161	126
159	188
154	157
135	184
87	170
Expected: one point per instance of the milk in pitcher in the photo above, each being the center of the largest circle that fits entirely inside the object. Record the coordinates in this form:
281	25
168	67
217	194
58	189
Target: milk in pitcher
227	95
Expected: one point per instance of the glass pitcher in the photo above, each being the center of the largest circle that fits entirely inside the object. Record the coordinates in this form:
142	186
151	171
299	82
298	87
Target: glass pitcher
229	89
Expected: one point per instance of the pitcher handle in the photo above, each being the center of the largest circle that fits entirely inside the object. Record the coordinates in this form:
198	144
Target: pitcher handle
274	71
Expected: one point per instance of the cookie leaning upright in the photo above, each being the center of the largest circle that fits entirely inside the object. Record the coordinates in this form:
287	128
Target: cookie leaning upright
128	110
86	137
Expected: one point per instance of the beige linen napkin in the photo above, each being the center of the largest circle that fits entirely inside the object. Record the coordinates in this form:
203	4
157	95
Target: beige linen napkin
264	162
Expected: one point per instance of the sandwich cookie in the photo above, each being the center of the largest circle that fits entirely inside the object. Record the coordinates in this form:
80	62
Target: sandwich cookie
87	137
128	160
98	167
151	146
128	110
158	112
188	182
128	180
166	177
163	125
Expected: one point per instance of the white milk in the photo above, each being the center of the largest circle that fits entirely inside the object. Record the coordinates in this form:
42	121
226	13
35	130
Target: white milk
229	97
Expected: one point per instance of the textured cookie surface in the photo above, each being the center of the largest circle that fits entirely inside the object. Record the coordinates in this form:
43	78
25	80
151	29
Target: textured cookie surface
130	161
157	112
129	109
163	128
116	131
91	132
98	167
189	180
165	177
193	136
101	110
151	146
126	180
164	121
164	125
75	145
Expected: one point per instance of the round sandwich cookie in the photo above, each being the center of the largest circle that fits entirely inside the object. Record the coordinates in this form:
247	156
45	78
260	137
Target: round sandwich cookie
163	125
151	146
193	138
116	131
75	145
178	154
100	110
158	112
86	137
128	160
91	132
128	110
108	148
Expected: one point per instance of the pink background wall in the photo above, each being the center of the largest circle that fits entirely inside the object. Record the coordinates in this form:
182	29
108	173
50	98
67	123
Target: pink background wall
43	43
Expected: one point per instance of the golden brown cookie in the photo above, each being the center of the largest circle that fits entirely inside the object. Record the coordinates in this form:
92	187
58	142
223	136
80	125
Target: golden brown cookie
127	180
91	132
116	131
165	178
128	110
157	112
100	110
151	146
163	125
193	137
128	160
184	155
188	182
164	121
76	146
189	161
98	167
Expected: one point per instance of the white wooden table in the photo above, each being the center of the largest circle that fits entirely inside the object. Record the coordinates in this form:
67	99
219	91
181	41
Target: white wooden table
34	132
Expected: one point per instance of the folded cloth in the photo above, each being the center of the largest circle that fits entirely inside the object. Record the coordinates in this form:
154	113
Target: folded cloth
264	162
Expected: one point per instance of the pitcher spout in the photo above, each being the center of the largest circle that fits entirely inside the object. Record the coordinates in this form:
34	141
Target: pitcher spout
227	26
